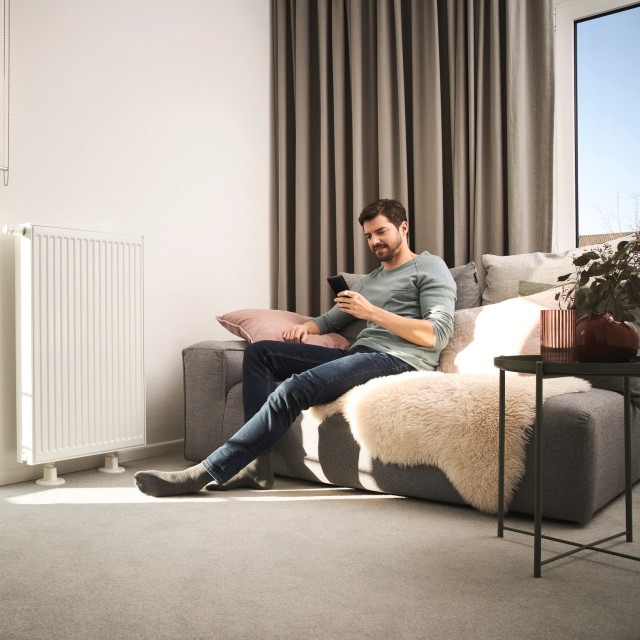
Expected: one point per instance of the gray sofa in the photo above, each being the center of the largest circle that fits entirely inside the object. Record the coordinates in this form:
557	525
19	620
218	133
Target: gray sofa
583	464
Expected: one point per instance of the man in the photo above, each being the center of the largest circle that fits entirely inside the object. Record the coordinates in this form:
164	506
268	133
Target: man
408	303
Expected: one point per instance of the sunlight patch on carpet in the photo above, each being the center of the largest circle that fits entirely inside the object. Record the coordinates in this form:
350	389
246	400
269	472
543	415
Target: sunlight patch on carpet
125	495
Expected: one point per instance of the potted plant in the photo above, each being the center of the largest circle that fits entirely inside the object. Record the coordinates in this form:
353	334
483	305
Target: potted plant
605	291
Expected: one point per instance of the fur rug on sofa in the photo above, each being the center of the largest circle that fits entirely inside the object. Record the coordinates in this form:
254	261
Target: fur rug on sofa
449	420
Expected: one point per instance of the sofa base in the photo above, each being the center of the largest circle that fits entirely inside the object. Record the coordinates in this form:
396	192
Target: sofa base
583	443
583	463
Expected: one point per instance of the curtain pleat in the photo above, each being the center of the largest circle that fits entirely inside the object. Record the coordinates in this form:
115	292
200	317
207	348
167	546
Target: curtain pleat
529	126
445	105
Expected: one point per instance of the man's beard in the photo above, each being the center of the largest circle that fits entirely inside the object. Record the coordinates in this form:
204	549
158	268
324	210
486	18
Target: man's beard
384	252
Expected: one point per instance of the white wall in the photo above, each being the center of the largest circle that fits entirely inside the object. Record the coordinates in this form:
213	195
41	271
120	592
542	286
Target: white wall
149	117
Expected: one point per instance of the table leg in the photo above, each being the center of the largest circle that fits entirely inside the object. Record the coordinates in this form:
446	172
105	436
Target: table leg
627	459
537	547
501	438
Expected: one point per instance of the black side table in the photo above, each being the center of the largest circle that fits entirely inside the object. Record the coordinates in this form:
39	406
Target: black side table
542	370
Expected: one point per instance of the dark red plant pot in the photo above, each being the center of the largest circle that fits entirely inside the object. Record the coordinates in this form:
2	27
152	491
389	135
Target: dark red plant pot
600	338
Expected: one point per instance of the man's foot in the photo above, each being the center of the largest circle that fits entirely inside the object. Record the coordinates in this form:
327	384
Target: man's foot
256	475
172	483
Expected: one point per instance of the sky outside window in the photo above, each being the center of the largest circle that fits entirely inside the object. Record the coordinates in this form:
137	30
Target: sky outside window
608	122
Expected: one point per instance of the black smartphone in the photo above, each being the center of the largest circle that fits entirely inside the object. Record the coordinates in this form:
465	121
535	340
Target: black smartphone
338	284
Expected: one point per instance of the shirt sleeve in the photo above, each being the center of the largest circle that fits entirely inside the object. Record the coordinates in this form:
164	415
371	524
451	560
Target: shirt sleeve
334	320
438	301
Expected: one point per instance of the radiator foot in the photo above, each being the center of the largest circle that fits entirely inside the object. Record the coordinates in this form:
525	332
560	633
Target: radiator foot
111	464
50	477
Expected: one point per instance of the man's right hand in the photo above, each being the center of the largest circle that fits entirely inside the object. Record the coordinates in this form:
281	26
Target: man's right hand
297	333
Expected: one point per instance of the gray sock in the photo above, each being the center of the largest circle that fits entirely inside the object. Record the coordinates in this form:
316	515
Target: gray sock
256	475
172	483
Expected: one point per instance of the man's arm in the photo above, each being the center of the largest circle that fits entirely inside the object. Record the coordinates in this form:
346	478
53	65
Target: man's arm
415	330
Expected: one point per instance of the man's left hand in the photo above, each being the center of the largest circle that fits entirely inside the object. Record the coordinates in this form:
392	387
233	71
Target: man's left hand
355	304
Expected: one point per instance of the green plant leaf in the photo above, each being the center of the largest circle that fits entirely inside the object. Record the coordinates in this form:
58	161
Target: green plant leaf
585	258
606	280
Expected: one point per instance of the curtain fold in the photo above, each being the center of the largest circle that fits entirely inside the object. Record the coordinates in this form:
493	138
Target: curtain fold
445	105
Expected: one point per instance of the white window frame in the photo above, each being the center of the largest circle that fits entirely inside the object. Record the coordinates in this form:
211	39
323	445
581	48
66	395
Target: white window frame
566	13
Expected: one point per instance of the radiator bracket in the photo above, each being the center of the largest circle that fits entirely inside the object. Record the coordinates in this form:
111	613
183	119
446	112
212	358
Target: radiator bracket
50	478
111	464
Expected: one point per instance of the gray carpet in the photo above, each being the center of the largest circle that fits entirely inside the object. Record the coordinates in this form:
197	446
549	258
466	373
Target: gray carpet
95	559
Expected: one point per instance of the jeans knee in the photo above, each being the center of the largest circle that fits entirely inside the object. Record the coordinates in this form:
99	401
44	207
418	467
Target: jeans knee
255	352
296	393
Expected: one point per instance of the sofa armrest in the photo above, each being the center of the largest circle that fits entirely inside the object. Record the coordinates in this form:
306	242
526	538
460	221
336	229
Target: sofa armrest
211	369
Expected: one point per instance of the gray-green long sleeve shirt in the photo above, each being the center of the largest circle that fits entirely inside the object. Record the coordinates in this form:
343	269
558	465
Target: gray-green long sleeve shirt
421	288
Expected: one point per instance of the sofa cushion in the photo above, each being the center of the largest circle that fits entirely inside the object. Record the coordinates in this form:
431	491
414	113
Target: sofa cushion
268	324
510	327
469	293
503	273
526	288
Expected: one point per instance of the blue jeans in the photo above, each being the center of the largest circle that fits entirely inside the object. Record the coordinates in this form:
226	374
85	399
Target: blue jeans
312	375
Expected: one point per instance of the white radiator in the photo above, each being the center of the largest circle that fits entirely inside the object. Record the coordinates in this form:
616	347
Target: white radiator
80	350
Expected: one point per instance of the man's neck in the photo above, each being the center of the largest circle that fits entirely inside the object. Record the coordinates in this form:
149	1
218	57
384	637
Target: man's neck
403	256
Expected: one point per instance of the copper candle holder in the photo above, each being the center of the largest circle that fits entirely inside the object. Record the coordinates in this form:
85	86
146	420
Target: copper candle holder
558	335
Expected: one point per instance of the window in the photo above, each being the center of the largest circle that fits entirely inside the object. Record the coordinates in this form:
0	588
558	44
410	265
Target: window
597	159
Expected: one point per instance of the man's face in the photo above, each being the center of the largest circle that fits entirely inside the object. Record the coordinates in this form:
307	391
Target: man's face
384	238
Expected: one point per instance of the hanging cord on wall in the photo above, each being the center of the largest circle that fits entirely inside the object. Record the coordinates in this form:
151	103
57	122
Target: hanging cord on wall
6	59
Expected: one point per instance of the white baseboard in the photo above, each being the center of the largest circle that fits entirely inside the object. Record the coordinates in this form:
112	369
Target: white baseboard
26	472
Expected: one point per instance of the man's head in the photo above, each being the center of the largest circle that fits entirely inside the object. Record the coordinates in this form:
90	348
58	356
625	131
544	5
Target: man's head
385	227
391	209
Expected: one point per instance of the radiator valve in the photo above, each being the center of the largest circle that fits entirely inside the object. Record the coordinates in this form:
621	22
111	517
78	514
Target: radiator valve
15	229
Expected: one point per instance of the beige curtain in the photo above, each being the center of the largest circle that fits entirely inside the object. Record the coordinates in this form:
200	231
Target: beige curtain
445	105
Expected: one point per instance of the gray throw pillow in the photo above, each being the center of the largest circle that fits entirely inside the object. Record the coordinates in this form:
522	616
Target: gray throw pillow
469	292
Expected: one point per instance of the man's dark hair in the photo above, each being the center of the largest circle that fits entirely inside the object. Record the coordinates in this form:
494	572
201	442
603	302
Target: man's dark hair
391	209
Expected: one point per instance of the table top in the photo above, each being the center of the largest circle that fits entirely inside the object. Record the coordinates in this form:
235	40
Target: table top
528	364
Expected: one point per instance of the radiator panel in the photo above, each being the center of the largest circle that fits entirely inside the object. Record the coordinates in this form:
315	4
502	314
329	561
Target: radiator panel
81	344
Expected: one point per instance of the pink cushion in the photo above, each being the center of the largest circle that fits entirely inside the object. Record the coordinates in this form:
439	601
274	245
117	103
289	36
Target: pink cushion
268	324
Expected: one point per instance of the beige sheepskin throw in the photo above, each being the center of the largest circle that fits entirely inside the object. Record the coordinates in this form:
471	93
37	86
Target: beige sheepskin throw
449	420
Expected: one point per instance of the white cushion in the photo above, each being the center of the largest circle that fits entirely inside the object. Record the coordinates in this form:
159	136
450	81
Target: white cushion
508	328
